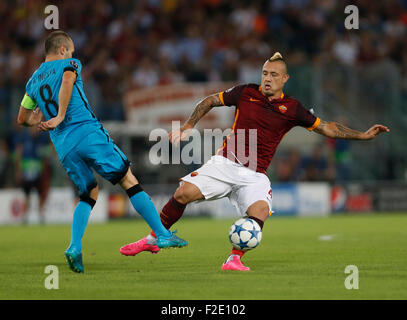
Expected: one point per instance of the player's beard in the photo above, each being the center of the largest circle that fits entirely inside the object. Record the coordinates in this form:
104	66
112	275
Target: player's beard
271	93
268	93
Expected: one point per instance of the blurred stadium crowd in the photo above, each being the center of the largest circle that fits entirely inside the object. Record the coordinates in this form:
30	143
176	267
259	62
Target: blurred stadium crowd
127	44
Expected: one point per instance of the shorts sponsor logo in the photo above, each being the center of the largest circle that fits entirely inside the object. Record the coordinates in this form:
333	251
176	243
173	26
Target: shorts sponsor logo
193	174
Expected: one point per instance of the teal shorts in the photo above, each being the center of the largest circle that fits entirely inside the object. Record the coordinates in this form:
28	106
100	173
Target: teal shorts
96	151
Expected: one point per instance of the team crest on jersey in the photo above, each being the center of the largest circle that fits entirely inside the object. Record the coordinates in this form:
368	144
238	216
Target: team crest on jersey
193	174
73	64
282	108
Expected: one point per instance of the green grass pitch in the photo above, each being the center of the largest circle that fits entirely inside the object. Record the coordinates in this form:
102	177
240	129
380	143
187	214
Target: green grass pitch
292	262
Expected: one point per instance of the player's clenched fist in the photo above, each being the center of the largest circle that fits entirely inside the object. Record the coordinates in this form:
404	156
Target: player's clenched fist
51	124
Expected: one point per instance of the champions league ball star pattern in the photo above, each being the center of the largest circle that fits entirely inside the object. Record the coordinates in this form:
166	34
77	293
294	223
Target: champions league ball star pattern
245	234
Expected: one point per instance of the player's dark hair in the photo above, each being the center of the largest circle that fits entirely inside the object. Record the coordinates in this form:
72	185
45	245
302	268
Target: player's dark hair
55	40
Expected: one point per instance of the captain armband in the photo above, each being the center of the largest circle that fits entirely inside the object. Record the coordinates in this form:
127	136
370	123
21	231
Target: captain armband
28	103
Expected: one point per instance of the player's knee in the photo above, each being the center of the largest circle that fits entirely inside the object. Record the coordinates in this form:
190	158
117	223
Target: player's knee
264	213
265	209
183	195
259	210
129	180
90	197
94	193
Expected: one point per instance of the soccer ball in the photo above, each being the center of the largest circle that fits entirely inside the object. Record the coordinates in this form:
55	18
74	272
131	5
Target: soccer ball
245	234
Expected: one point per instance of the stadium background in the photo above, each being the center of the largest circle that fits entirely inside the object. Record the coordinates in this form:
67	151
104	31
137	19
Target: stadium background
148	62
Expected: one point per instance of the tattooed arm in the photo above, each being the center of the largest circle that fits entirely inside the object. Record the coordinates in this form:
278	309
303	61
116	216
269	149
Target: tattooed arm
201	109
339	131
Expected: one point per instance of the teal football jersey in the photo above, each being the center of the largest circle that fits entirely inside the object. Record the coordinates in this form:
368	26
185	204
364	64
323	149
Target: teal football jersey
43	87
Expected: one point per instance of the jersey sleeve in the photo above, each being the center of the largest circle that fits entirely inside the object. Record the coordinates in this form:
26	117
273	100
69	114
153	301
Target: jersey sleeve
231	96
306	119
73	65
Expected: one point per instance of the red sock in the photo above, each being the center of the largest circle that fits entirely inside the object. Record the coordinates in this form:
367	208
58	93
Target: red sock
171	213
240	253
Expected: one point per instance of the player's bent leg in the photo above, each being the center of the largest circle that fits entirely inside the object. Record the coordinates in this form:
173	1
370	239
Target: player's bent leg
128	181
175	207
142	203
258	211
81	215
187	193
145	207
169	215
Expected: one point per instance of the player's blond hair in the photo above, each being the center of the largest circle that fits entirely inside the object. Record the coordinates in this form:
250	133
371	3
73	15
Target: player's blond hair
277	56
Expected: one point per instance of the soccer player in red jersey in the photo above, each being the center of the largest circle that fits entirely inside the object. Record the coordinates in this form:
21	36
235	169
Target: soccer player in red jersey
264	114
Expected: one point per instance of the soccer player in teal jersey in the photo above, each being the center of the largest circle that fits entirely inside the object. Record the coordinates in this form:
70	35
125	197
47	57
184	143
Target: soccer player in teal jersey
55	91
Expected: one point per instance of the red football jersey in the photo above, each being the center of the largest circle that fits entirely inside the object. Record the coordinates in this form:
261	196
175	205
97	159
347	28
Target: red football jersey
260	125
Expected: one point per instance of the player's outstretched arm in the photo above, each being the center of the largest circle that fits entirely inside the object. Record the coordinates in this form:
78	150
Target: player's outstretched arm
200	110
336	130
29	118
65	93
29	115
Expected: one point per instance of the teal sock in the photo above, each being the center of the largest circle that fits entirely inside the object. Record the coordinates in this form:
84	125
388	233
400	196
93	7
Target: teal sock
79	223
145	207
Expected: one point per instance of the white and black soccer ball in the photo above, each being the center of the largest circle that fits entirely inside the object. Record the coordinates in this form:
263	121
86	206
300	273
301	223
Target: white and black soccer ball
245	234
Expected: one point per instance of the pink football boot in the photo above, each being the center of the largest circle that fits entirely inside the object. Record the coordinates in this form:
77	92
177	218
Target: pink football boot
234	264
134	248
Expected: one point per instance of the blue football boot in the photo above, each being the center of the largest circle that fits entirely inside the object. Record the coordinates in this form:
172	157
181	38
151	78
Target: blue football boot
74	259
171	241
